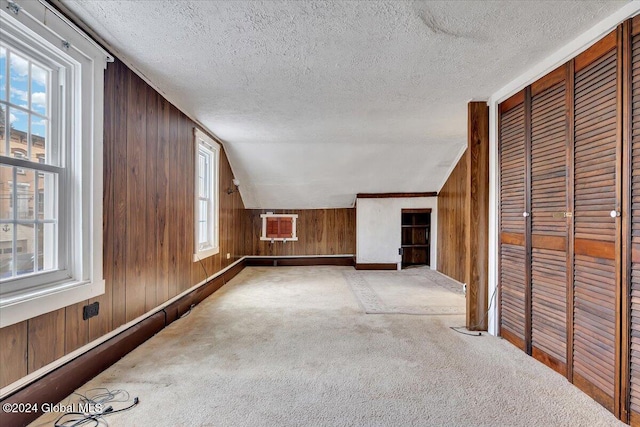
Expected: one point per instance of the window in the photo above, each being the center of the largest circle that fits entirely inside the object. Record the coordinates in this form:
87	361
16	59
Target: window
51	92
207	196
279	227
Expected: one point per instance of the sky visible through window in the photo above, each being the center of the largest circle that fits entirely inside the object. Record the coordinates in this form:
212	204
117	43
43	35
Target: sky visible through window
20	70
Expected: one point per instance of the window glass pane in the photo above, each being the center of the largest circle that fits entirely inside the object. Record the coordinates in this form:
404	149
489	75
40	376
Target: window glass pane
6	250
3	120
25	194
18	131
46	192
203	239
39	80
3	74
19	80
38	139
203	175
46	240
25	249
6	182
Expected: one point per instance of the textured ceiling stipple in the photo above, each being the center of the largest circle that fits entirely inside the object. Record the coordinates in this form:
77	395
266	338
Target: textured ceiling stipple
317	101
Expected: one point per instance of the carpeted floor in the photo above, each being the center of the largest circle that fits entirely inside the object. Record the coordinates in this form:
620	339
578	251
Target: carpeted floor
291	346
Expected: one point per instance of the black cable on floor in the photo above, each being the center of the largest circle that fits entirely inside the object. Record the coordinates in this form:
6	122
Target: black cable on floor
479	334
98	406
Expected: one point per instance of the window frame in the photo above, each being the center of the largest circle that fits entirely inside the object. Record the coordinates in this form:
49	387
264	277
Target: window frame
294	233
204	143
35	30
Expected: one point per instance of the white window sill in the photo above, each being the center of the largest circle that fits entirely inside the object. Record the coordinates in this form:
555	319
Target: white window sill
16	308
205	254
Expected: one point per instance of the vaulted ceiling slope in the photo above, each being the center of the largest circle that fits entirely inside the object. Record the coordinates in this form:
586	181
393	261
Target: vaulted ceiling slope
317	101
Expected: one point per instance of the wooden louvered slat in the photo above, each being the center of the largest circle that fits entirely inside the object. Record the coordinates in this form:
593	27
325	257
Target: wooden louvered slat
594	279
512	193
549	198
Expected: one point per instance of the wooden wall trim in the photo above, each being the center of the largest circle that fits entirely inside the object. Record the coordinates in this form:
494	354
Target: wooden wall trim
395	195
290	261
550	361
570	127
376	266
59	383
528	224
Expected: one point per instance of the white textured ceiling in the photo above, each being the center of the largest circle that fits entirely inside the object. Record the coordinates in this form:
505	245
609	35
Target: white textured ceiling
318	101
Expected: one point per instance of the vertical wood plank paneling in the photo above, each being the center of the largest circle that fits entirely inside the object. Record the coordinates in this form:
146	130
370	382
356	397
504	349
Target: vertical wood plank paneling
151	211
46	339
174	190
13	354
76	328
163	162
452	223
320	232
185	224
136	198
148	225
119	177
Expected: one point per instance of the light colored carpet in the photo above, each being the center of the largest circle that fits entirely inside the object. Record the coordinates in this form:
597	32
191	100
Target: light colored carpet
289	346
412	291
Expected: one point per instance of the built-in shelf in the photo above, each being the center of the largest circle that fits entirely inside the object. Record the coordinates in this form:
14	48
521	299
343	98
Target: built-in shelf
416	239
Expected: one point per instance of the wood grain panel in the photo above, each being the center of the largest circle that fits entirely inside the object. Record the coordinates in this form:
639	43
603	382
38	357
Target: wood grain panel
45	337
452	223
148	226
320	232
595	195
76	329
13	355
477	213
136	198
119	75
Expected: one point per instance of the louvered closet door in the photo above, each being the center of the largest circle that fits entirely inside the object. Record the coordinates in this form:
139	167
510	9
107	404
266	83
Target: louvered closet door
595	196
512	223
548	222
634	356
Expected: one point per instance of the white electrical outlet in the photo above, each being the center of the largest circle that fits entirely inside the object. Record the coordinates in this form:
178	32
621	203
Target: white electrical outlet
464	288
228	256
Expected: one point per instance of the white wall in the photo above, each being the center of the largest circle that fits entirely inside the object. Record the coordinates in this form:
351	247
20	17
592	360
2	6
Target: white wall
379	231
567	52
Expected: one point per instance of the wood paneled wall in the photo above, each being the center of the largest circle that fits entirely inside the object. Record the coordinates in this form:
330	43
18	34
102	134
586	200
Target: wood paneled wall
320	232
452	223
148	226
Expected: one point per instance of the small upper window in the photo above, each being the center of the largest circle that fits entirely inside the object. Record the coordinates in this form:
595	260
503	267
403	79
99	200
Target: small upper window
279	227
206	196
